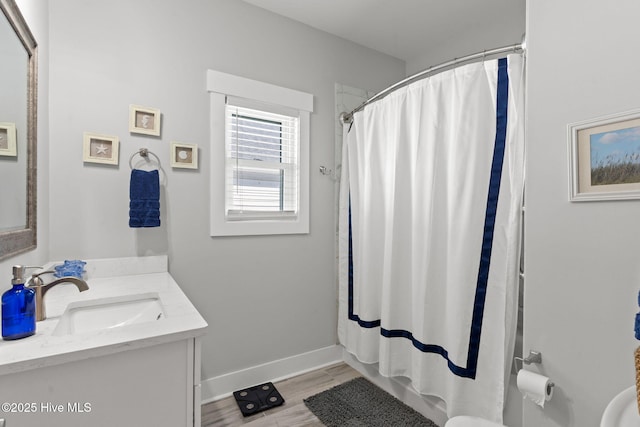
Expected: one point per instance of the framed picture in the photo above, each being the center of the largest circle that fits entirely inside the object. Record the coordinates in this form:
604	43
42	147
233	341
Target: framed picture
100	148
144	120
604	158
184	155
8	145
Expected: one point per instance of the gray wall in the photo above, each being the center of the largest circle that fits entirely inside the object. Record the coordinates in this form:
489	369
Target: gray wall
478	35
582	267
265	298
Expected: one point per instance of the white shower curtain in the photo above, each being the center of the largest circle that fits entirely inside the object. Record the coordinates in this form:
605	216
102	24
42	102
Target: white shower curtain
430	198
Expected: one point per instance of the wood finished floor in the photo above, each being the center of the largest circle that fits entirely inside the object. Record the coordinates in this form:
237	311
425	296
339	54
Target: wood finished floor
293	413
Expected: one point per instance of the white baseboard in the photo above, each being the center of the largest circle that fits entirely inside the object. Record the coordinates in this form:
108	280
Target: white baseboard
224	385
431	407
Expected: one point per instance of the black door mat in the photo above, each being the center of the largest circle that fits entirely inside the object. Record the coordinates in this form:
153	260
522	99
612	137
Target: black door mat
257	398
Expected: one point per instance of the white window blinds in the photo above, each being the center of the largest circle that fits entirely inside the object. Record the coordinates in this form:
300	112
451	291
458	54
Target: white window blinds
262	161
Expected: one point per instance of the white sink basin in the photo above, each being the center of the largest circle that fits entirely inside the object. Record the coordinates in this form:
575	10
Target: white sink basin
622	411
108	313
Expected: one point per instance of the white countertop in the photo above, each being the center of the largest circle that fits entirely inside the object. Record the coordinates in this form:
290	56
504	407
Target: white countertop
106	278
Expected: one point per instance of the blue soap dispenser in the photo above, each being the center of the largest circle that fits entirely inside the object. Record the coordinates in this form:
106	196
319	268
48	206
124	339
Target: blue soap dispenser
18	308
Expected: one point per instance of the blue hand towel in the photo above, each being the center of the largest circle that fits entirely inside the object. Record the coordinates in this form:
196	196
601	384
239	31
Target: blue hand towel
144	196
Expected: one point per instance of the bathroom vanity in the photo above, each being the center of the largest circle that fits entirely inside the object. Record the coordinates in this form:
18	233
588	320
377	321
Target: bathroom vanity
126	352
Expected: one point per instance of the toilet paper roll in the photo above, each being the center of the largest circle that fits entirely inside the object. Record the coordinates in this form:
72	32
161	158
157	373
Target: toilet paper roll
534	386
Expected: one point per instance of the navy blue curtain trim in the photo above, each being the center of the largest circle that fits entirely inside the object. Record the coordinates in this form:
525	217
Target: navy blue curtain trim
485	255
490	216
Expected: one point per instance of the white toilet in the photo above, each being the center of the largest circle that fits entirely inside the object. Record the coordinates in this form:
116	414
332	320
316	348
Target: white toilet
467	421
622	411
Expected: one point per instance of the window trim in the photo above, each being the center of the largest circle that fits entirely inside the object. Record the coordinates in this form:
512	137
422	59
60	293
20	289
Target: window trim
220	85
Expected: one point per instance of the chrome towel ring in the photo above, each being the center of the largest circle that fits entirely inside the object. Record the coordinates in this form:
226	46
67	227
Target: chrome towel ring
144	153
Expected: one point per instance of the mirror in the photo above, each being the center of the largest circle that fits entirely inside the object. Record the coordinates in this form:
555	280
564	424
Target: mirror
18	144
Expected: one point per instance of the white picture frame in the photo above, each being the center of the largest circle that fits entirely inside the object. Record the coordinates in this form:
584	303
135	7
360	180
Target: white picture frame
144	120
97	148
184	155
8	145
604	158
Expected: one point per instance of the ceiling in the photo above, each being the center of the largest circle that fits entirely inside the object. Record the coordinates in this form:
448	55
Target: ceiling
404	29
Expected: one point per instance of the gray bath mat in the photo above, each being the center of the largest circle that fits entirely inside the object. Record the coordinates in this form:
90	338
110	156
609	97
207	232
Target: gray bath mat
358	403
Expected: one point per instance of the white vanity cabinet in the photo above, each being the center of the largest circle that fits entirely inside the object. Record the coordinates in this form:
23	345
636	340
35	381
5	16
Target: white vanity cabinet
140	375
152	386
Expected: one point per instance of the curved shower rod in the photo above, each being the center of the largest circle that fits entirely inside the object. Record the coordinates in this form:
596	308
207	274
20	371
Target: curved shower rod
348	117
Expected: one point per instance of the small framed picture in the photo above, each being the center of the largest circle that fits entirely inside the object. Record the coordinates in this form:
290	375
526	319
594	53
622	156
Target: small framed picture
144	120
100	148
184	155
604	158
8	145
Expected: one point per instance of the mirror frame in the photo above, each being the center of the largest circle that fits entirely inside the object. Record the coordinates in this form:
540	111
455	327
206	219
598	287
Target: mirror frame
18	241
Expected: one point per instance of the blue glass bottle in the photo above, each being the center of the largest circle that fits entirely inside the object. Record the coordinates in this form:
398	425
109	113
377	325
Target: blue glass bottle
18	308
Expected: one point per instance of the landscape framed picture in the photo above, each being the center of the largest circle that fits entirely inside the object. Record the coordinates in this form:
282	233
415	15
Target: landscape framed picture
604	158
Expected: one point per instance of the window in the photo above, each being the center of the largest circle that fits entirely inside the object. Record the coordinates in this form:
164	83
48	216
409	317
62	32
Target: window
261	164
259	157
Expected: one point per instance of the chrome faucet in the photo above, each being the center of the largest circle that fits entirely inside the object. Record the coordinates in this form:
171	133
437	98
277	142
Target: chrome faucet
36	283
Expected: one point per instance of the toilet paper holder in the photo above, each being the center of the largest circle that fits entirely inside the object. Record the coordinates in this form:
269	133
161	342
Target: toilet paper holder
533	357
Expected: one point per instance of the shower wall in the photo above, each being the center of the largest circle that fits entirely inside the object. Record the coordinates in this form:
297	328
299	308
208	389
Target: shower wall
347	98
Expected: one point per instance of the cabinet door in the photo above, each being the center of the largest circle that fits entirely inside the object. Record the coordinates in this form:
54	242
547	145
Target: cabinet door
152	386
